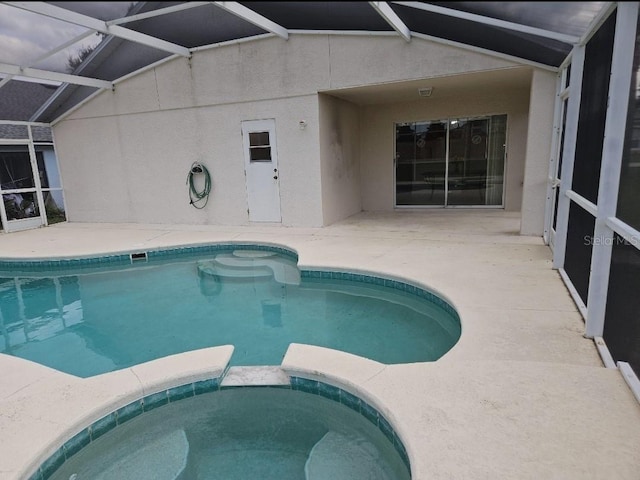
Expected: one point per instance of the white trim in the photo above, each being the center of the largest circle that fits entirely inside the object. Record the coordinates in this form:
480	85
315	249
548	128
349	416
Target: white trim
630	377
567	60
582	308
58	13
553	160
6	80
253	17
630	234
354	33
386	12
494	22
583	202
22	122
605	355
58	77
156	13
612	151
597	22
14	141
36	178
449	207
564	94
568	155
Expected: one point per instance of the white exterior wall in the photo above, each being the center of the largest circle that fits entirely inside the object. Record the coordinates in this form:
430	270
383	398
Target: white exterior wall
539	135
124	155
340	158
378	139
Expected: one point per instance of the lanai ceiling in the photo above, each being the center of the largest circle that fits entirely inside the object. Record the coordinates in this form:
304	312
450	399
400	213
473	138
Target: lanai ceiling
38	82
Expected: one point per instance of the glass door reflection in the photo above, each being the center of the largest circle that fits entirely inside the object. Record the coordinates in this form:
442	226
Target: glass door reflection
421	153
457	162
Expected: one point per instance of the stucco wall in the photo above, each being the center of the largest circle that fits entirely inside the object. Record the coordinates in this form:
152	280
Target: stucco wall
125	154
133	168
377	137
340	158
543	87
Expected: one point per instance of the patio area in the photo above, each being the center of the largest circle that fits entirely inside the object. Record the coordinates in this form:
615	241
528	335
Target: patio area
522	395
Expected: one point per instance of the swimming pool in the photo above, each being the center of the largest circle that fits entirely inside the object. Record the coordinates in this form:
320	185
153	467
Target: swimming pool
91	316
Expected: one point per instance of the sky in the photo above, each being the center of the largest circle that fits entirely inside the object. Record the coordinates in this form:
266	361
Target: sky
25	36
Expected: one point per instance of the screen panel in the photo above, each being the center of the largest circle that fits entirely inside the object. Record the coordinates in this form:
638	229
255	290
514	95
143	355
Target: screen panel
622	319
593	111
629	191
580	241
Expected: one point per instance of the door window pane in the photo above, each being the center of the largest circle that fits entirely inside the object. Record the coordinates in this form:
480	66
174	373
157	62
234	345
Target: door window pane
258	139
467	161
496	154
420	163
15	168
259	147
20	205
54	206
47	167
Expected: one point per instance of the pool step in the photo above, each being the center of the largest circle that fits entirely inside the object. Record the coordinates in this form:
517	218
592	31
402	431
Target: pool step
162	458
339	456
235	266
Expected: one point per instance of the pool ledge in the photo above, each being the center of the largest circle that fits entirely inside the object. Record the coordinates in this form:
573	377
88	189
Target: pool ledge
45	408
348	372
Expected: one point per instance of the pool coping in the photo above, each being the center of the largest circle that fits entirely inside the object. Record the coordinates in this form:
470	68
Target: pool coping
115	393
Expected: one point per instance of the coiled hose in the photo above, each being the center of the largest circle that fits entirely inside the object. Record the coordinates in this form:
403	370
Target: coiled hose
196	197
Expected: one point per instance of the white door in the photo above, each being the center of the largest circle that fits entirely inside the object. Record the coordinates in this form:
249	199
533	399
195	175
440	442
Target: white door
261	170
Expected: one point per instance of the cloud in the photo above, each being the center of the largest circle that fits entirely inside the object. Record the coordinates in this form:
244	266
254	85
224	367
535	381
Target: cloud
25	36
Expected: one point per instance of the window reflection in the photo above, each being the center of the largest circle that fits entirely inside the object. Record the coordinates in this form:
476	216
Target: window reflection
454	162
21	205
15	168
36	309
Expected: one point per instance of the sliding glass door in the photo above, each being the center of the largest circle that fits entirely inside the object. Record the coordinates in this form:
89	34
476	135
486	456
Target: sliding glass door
453	162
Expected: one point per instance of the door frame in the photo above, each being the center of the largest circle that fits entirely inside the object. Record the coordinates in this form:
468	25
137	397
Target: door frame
31	222
263	204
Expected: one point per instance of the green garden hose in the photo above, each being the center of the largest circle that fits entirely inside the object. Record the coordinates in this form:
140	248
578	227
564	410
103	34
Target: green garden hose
196	197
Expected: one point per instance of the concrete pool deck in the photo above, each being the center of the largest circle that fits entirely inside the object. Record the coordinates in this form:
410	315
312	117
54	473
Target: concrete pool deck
523	395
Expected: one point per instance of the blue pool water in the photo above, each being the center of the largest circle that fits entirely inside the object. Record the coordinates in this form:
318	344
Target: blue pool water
90	320
241	433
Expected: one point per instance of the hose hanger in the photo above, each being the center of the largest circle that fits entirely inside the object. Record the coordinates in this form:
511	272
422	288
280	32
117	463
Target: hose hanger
198	197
